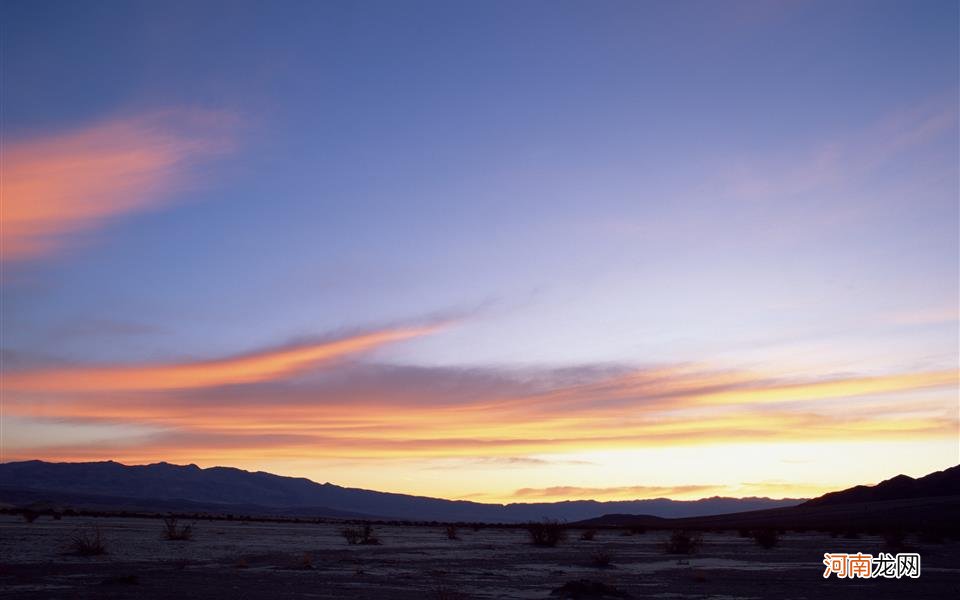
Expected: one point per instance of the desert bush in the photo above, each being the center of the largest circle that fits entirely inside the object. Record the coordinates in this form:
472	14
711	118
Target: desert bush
744	532
351	534
546	533
363	535
683	542
87	542
601	558
451	531
588	534
637	530
172	530
29	516
766	538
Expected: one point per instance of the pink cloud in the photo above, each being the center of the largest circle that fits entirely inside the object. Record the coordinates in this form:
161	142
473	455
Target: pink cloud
59	185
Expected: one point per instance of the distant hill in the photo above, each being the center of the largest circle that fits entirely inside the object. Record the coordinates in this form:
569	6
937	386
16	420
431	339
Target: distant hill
47	500
165	487
939	483
931	502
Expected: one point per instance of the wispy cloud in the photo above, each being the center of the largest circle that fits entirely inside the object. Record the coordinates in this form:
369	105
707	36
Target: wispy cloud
280	404
58	185
506	462
835	162
271	364
770	489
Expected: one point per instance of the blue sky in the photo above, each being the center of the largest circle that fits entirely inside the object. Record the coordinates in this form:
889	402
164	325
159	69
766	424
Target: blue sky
564	185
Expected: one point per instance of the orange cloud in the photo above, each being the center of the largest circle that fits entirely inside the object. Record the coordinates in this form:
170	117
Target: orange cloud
244	369
222	410
59	185
359	411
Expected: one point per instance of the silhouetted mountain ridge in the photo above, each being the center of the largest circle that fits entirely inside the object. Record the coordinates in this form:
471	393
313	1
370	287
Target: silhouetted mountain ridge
928	503
275	494
938	483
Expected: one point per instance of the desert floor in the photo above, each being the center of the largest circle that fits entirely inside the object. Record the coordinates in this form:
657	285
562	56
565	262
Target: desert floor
237	560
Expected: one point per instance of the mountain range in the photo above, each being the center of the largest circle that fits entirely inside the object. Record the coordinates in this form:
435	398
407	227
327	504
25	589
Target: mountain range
929	503
164	487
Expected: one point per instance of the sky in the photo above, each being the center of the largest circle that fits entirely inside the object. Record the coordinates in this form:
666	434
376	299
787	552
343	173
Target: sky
499	251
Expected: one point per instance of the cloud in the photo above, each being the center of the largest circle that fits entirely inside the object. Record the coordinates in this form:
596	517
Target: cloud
278	404
59	185
506	461
837	161
633	492
250	368
778	489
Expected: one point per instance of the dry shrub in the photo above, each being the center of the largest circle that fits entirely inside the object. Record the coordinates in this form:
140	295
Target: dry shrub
451	531
588	535
683	542
546	533
88	542
173	531
363	535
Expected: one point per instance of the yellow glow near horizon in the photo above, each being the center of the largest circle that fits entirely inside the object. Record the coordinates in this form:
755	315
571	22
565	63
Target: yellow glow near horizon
519	444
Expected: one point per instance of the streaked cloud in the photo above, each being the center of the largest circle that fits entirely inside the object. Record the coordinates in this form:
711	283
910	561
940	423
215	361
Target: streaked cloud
633	492
59	185
250	368
767	489
835	162
505	462
279	403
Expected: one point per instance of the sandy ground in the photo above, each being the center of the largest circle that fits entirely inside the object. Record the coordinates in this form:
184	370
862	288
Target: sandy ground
237	560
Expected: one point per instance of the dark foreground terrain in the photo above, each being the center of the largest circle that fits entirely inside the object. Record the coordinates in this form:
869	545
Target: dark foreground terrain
237	560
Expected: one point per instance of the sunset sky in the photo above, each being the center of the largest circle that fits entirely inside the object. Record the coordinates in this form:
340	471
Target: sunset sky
501	251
